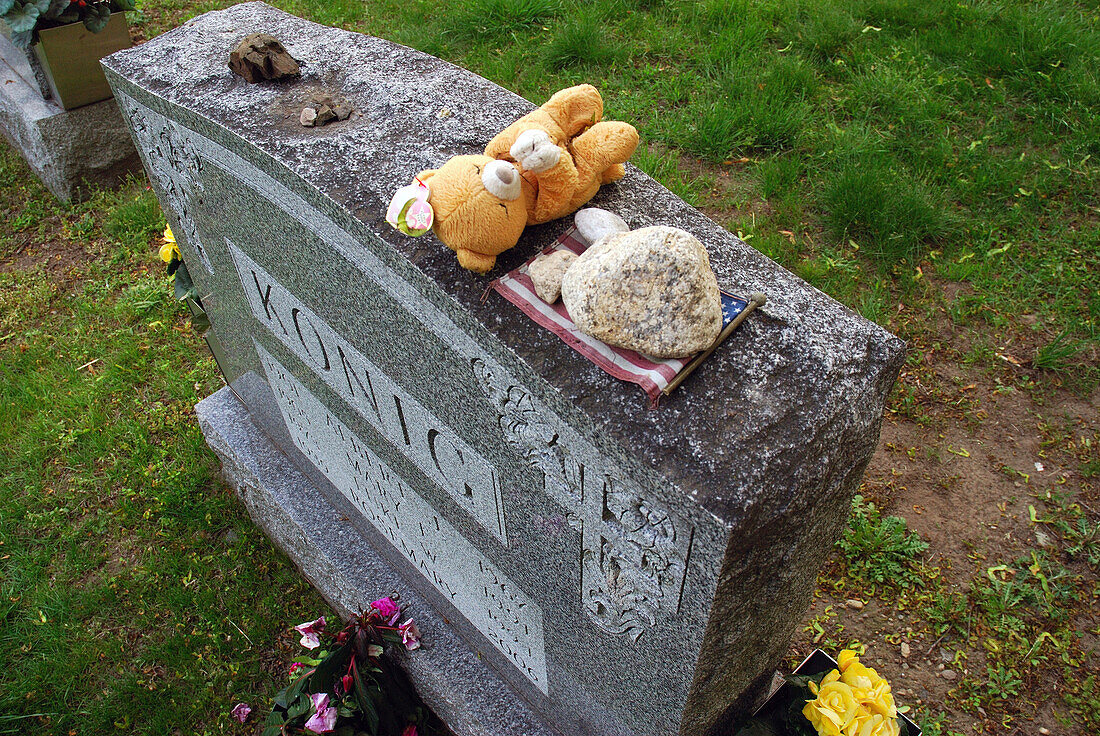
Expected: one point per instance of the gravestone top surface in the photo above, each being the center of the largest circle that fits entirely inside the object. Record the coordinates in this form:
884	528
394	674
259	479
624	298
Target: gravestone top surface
738	425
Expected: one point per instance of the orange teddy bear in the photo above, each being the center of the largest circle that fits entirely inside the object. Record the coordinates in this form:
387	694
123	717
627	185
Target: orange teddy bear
541	167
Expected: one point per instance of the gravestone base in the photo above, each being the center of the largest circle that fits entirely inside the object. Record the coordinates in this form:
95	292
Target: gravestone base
332	554
63	148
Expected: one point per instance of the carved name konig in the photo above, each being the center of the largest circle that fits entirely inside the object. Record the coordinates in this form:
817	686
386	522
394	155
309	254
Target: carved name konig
496	606
410	427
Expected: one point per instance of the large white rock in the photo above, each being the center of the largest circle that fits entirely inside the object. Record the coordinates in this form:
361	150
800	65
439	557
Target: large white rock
650	290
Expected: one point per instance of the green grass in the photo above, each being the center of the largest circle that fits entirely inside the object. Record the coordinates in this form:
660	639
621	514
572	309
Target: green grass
135	594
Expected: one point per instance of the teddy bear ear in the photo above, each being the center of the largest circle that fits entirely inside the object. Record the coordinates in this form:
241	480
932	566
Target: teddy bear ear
423	176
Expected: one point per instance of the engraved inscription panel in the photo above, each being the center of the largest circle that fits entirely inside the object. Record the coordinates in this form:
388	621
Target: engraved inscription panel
503	613
430	444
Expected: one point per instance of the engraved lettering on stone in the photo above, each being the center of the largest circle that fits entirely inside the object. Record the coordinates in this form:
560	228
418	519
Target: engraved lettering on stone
493	603
173	161
412	429
634	551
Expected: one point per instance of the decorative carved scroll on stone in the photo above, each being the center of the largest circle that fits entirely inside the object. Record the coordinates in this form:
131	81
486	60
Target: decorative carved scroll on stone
173	160
634	551
528	433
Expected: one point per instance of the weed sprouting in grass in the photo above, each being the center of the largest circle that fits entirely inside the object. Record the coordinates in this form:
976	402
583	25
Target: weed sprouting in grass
893	214
663	166
734	34
1056	354
880	550
760	109
722	14
826	30
488	19
582	41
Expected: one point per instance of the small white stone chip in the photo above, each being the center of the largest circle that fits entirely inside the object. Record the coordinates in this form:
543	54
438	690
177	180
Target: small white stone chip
308	117
547	273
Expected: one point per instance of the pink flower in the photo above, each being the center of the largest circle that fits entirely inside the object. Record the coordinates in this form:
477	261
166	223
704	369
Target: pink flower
295	667
324	719
347	681
310	632
387	609
240	712
410	730
410	635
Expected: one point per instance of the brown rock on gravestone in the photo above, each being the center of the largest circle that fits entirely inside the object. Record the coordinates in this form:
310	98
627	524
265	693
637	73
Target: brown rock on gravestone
260	56
324	109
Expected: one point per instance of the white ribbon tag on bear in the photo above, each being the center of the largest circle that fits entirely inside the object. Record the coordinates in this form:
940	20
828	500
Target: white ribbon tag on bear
409	210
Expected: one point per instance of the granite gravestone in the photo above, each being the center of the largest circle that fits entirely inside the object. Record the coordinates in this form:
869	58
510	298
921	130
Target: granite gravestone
578	563
64	148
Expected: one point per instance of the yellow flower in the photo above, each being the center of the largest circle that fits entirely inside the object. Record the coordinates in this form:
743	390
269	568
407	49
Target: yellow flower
169	249
871	690
834	710
873	725
860	676
844	658
879	700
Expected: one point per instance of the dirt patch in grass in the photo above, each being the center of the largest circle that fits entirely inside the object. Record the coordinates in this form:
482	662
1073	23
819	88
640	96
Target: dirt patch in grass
967	468
51	251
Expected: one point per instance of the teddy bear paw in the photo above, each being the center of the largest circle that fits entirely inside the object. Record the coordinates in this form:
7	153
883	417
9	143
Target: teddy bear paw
534	151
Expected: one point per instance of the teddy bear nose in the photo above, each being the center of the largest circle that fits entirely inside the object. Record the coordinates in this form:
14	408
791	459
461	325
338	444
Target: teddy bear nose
502	180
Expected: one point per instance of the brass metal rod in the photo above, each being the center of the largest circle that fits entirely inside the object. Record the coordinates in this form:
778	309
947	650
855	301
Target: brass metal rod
756	299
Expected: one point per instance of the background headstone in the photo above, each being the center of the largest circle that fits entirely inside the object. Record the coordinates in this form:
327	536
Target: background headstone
624	571
63	148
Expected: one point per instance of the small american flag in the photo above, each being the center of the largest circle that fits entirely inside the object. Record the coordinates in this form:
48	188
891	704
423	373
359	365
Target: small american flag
652	374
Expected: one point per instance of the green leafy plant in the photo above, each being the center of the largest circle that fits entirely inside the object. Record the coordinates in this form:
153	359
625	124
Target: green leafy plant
27	17
879	549
1003	682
